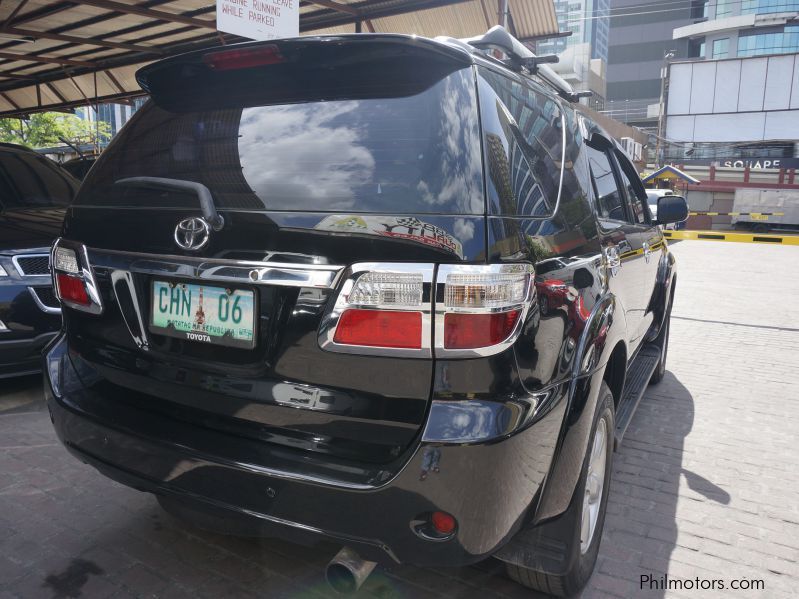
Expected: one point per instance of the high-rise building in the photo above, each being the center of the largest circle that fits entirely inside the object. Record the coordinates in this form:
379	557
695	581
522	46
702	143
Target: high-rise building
584	53
737	96
640	39
741	28
587	20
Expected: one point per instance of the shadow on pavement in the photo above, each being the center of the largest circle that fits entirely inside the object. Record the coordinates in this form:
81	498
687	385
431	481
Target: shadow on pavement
641	530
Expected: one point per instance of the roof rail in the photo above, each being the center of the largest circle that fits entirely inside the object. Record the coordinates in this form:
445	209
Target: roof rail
500	39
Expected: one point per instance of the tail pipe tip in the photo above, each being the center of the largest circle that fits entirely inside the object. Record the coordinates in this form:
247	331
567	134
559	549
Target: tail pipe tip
347	571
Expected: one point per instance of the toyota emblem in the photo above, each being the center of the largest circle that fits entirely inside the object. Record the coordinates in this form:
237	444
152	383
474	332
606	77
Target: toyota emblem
192	233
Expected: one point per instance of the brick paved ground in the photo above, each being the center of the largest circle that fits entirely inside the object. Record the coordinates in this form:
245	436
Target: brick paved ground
706	483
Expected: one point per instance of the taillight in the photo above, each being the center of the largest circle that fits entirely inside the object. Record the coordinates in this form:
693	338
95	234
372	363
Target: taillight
73	279
394	309
71	289
380	328
480	309
382	309
468	331
243	58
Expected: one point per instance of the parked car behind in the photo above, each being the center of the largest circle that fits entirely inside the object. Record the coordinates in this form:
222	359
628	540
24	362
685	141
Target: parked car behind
300	294
653	196
34	193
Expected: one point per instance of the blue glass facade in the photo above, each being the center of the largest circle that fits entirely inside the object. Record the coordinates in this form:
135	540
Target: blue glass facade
760	7
759	44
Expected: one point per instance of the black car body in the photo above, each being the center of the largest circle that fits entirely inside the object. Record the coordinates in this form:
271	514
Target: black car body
78	167
34	194
395	178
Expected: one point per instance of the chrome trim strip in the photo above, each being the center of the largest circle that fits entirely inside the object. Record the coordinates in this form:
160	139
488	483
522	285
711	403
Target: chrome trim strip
42	306
15	259
286	274
86	275
126	278
327	329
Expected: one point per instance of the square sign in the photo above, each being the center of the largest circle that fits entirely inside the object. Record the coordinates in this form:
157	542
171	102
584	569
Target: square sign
259	19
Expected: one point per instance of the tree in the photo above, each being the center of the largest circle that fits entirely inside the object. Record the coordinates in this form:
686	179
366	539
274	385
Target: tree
46	129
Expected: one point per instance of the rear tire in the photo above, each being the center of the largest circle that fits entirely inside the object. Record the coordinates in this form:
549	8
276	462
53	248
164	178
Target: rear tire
761	228
590	502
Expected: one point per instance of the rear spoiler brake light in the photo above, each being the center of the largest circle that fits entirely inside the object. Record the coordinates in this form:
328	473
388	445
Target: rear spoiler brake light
243	58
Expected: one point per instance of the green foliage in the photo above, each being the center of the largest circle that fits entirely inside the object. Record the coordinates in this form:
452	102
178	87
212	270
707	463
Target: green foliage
47	129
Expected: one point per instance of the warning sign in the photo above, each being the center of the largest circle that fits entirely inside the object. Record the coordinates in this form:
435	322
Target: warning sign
259	19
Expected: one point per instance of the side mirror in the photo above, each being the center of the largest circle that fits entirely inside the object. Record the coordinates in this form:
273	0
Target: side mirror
671	209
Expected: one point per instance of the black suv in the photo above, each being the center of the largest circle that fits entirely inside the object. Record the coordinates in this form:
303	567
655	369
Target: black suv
301	297
34	193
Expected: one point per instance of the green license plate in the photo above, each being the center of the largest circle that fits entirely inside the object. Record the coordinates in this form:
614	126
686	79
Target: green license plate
203	313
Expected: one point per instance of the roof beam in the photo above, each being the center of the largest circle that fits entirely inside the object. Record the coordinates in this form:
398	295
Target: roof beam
313	20
42	12
10	101
89	41
148	13
335	6
15	12
114	81
30	78
56	93
46	60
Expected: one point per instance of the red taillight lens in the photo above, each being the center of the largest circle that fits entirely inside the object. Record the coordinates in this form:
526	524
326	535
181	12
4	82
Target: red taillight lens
72	289
243	58
380	328
443	522
469	331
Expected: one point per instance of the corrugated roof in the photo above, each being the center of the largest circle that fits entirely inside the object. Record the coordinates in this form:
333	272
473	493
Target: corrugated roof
57	54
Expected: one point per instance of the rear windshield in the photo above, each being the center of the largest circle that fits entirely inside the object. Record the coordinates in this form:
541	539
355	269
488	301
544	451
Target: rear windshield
413	154
31	181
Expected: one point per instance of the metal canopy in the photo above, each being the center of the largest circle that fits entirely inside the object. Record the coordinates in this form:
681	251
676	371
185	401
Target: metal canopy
58	55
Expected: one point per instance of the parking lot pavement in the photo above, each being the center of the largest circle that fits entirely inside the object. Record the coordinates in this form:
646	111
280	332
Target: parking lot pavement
704	487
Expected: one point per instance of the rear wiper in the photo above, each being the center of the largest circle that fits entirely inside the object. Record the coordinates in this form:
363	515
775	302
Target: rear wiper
207	205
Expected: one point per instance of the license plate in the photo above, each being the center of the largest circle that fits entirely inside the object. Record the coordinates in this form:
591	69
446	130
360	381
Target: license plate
203	313
758	216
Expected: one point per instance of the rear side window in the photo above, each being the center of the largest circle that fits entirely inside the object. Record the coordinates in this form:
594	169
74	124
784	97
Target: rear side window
523	141
417	153
610	203
31	181
628	177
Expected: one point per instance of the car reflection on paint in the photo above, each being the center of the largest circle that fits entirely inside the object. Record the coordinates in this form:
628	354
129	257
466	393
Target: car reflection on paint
552	294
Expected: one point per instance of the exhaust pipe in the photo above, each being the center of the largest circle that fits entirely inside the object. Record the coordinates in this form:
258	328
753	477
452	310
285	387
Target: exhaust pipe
347	571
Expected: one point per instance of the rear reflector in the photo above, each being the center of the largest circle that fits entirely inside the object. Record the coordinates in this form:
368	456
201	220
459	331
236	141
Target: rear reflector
243	58
71	289
470	331
380	328
443	523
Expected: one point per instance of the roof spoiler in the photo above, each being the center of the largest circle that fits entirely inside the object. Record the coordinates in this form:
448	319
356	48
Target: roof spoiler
498	38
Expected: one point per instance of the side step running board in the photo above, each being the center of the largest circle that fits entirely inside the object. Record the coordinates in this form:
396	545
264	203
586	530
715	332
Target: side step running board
638	376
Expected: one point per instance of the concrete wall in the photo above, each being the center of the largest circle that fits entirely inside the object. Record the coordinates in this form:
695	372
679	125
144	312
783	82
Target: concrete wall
746	99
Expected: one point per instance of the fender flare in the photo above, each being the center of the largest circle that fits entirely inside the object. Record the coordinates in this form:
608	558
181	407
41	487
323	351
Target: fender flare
606	327
661	294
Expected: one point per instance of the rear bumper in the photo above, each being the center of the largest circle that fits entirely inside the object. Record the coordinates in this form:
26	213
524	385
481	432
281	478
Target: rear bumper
488	487
19	357
26	327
